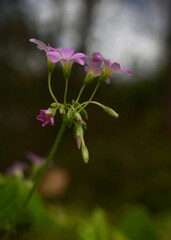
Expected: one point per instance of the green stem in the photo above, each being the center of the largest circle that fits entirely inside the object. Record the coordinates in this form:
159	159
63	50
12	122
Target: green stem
66	89
86	103
79	95
42	171
50	89
97	103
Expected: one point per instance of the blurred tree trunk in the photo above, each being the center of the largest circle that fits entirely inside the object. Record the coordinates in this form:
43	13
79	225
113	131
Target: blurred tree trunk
167	87
87	21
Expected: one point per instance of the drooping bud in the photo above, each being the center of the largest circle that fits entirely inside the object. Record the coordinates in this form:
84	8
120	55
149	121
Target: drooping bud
78	117
83	113
79	132
85	154
111	112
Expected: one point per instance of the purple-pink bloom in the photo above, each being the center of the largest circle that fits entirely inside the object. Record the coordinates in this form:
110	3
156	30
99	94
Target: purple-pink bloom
93	67
42	46
66	56
110	68
46	116
17	167
34	158
94	64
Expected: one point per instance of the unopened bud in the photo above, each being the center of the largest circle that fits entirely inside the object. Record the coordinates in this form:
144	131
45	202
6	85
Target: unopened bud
55	105
79	135
85	154
61	109
78	117
84	113
78	139
111	112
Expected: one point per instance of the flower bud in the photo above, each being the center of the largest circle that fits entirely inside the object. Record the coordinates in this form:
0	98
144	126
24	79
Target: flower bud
85	154
61	109
83	113
111	112
79	134
78	117
55	105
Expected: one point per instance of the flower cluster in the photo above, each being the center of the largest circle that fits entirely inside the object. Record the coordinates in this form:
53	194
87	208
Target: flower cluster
95	66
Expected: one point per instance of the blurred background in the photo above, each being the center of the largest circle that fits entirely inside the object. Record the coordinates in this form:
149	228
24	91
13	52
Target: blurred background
130	157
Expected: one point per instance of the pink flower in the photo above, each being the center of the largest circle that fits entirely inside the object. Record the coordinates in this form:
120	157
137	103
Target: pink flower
110	68
66	56
94	64
46	116
42	46
17	168
34	158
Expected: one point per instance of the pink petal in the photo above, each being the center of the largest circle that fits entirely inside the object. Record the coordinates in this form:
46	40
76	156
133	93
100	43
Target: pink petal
115	66
78	55
86	69
106	63
53	59
80	61
67	53
41	45
54	54
126	71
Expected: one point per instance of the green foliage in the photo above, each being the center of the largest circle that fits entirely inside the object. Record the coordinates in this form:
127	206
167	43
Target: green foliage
97	228
137	224
12	194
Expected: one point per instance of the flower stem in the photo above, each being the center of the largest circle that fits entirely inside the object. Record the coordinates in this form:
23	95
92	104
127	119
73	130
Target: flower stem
41	173
66	89
79	95
50	89
86	103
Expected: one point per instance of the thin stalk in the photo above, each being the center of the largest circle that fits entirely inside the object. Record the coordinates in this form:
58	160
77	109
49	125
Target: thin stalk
86	103
41	173
50	89
66	89
79	95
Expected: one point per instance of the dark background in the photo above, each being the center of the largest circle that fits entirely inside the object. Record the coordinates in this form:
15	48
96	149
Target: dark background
130	157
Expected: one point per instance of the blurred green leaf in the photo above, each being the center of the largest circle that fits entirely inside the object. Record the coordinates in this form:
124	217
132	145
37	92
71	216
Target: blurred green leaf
12	194
137	224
